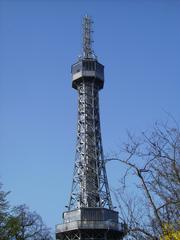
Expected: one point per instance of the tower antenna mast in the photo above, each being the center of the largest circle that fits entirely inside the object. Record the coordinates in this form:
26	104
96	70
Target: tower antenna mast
87	37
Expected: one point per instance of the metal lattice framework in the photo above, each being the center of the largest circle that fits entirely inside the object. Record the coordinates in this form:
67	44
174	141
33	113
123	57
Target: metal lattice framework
90	185
87	37
90	214
90	235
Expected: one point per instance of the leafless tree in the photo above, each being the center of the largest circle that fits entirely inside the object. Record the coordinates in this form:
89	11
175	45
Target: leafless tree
152	163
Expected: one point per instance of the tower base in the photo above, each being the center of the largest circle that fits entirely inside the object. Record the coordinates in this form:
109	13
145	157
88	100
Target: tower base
90	224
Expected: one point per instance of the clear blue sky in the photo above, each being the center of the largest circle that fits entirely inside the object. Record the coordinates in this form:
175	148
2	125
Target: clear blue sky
138	41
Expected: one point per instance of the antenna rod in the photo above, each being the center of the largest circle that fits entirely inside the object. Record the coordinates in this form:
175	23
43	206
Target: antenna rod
87	37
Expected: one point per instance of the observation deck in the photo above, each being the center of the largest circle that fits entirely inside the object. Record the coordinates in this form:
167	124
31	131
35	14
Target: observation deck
90	219
87	69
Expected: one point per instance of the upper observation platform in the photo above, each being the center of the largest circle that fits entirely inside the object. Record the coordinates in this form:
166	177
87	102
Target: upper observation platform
87	70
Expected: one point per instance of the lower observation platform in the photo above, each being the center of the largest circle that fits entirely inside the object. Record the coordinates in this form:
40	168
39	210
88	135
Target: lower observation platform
90	223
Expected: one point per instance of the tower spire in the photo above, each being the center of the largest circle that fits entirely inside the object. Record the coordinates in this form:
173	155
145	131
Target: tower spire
87	37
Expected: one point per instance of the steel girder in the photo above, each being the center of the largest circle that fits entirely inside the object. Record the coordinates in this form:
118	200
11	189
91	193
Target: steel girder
90	185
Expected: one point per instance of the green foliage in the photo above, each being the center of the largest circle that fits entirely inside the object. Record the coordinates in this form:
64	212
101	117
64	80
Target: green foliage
12	227
19	223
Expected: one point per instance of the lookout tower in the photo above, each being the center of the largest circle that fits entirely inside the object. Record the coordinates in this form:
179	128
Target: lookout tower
90	213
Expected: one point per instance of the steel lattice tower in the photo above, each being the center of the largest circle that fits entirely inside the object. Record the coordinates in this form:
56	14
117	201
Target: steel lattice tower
90	212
